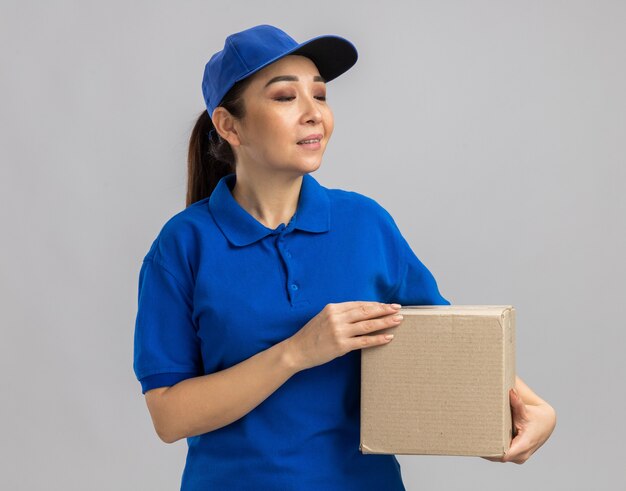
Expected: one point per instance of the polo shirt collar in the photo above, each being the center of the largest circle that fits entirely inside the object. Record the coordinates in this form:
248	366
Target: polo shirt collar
241	228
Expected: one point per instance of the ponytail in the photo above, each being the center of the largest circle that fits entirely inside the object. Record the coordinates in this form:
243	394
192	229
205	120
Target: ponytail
210	157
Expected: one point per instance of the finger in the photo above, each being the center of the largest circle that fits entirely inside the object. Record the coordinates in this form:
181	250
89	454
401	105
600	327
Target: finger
361	342
377	325
519	445
518	408
366	310
344	307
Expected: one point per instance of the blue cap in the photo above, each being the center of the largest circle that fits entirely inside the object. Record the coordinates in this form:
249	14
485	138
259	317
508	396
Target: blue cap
248	51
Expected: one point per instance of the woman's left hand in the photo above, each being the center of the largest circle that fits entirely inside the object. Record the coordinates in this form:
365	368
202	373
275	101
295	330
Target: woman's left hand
534	425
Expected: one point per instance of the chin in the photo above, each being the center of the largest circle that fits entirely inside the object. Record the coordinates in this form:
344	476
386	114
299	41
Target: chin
302	165
312	167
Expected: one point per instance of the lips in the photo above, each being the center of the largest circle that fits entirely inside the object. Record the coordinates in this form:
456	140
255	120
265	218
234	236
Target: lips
312	137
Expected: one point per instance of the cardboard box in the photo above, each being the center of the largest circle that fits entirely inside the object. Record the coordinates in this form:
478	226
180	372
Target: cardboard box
441	386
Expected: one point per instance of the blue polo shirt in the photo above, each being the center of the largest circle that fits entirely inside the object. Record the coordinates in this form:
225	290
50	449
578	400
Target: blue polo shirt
217	287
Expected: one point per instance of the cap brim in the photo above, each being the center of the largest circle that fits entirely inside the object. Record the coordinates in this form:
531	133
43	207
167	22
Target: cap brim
333	55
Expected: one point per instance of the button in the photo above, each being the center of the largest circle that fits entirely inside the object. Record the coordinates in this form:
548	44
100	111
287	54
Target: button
294	286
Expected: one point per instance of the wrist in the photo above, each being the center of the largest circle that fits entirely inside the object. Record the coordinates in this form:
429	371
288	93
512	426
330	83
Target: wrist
289	356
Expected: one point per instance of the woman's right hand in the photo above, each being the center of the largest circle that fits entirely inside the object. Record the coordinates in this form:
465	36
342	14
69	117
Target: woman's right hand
340	328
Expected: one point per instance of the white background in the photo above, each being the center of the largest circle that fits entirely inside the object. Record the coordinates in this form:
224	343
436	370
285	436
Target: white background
493	131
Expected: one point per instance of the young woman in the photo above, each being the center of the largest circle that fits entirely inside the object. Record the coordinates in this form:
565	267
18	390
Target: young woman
255	301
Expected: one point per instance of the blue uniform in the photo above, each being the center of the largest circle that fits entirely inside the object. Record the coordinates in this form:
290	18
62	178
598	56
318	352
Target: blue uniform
217	287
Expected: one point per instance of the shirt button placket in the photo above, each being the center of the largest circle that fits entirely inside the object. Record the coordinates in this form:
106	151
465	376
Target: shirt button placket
292	285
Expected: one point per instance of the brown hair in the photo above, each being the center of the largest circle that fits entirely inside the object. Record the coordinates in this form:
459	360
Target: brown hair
210	159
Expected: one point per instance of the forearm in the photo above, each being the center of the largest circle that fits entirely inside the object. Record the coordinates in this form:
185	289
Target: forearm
203	404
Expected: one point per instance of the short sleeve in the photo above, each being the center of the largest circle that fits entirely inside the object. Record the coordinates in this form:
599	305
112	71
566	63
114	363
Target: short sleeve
414	283
166	344
417	284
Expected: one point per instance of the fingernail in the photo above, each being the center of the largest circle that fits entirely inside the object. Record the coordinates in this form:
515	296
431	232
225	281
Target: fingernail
396	305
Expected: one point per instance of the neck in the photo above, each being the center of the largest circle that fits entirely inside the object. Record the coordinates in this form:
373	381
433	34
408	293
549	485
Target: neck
270	198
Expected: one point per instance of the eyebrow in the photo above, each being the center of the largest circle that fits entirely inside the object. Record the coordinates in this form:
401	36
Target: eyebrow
293	78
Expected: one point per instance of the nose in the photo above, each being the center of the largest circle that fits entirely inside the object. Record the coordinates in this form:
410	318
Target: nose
310	109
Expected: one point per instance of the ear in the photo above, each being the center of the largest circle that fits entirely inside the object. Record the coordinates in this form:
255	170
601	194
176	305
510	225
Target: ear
226	126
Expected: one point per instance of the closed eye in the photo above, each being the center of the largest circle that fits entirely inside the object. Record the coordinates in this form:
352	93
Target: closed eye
321	98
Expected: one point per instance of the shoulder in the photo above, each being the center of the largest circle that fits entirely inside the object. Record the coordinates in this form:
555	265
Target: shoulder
359	207
178	241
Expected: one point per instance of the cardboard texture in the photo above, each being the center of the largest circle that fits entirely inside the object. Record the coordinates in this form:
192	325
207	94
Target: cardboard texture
441	386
